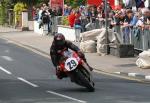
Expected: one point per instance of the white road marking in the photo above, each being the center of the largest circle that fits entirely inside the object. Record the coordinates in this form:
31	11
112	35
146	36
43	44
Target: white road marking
7	58
9	41
25	81
147	77
132	74
4	70
64	96
117	72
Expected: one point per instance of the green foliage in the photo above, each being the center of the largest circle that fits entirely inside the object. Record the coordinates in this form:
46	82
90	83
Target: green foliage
18	8
40	1
64	21
3	6
75	3
2	15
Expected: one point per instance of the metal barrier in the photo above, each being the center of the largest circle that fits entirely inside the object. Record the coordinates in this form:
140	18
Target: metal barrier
140	38
98	24
146	39
56	20
136	36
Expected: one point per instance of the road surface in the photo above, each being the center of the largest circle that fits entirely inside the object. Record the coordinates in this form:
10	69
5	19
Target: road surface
27	77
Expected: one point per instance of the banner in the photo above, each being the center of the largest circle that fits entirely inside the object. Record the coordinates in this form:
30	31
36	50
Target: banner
57	3
94	2
98	2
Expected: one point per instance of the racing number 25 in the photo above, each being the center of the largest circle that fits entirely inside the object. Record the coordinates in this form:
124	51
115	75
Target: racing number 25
72	64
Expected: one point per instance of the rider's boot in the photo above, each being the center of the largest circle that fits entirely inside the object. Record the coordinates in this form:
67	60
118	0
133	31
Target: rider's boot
60	74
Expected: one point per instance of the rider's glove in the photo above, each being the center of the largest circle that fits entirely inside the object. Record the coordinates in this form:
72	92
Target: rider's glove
57	67
81	55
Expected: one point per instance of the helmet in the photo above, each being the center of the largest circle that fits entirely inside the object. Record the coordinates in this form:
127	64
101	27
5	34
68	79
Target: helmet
59	39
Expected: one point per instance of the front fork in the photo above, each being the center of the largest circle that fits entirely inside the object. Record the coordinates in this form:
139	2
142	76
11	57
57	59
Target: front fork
85	66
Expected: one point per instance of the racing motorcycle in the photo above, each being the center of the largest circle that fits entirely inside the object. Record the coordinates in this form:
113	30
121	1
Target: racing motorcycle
76	69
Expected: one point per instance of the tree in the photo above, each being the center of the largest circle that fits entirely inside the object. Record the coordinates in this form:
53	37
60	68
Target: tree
4	4
75	3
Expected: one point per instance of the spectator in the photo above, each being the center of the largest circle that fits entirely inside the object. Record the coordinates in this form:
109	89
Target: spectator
53	12
71	18
93	14
36	15
83	18
103	8
126	26
33	12
66	10
99	12
59	11
140	3
147	3
128	16
128	4
118	20
77	25
46	18
69	9
144	20
40	16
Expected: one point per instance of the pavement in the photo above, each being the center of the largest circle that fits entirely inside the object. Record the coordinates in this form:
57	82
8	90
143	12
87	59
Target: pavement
27	77
4	29
109	64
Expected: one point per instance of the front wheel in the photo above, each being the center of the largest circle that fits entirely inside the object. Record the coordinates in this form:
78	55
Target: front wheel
83	78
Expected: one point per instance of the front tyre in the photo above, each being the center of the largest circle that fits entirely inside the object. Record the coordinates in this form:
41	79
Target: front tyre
84	79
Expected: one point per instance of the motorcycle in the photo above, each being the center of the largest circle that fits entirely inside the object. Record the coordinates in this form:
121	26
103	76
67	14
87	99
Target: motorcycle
76	69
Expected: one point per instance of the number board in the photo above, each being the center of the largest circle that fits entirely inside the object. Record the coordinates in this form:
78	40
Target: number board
71	64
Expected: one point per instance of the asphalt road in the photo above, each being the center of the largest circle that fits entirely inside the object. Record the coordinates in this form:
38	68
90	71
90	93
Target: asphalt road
26	77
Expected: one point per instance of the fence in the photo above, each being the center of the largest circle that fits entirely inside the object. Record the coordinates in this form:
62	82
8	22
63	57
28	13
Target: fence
96	25
55	21
140	38
136	36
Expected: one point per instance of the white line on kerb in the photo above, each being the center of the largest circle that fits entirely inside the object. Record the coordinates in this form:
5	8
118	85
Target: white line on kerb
147	77
25	81
4	70
117	72
7	58
132	74
64	96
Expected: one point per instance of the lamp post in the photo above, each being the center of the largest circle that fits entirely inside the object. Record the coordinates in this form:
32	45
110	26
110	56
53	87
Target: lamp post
106	28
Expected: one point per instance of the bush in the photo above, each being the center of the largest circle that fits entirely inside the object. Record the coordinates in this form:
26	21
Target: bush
4	6
2	13
64	21
18	8
75	3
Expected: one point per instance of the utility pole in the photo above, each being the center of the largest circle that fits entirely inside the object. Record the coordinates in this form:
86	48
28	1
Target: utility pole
106	28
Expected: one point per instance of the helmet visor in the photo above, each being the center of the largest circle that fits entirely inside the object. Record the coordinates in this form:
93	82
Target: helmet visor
60	43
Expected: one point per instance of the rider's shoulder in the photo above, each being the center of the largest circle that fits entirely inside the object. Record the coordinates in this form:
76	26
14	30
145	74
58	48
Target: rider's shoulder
68	42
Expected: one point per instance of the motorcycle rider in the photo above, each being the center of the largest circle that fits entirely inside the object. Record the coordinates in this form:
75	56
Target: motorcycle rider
59	44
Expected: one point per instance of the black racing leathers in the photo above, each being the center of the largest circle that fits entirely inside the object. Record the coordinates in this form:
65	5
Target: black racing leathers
54	51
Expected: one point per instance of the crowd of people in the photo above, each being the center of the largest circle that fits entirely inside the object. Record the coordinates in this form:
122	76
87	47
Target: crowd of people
85	18
120	19
44	13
